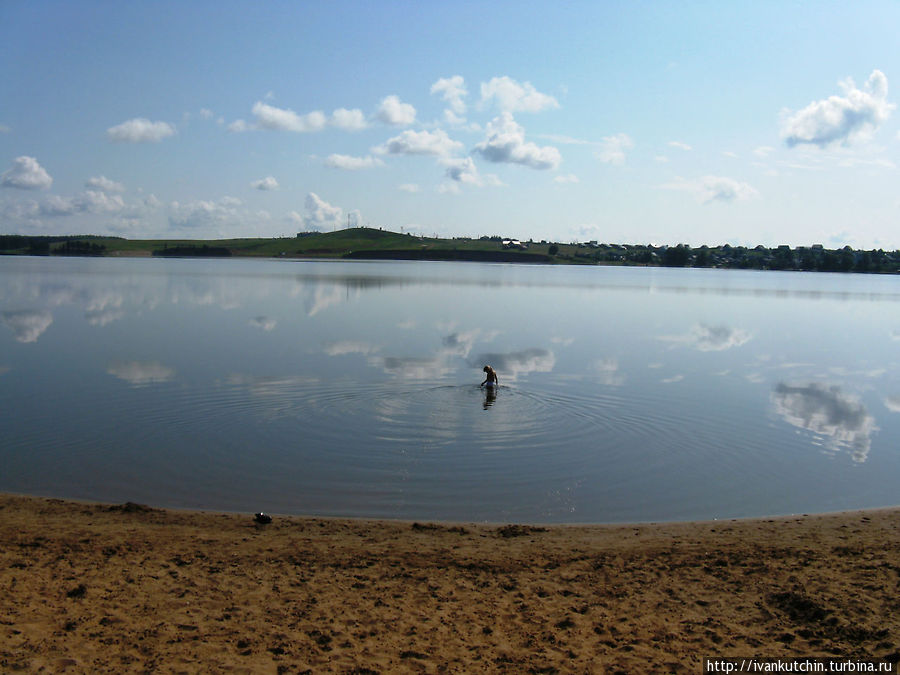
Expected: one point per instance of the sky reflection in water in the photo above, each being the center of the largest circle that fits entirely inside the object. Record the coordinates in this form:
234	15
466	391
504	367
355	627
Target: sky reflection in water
352	388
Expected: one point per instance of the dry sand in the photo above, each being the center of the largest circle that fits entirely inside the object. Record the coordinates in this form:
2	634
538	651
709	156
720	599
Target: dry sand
97	588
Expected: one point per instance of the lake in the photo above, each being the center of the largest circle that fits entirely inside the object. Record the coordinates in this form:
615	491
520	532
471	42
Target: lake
351	388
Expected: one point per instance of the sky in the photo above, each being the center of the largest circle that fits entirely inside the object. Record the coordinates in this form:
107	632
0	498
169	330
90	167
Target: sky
756	122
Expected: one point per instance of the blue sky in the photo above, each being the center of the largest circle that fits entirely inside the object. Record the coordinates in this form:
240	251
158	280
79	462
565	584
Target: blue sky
629	122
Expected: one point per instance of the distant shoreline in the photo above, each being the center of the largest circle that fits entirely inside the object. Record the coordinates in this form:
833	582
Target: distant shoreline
371	244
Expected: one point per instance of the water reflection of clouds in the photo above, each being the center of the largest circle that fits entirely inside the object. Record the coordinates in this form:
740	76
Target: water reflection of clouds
607	372
141	373
838	418
264	323
27	325
512	364
705	338
343	347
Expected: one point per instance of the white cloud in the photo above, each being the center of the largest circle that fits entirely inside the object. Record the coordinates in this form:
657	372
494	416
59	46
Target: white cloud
239	126
453	91
436	143
281	119
710	189
612	149
680	145
352	163
763	151
463	171
203	214
140	130
320	214
392	110
892	403
412	188
840	119
267	183
505	143
567	178
348	120
105	184
206	114
26	174
511	96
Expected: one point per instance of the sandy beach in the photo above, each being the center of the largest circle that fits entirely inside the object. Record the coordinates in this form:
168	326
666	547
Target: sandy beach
129	588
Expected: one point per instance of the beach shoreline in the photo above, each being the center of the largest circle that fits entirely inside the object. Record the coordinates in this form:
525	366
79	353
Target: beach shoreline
93	587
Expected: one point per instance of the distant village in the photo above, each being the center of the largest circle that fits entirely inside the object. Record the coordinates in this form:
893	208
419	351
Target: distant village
808	258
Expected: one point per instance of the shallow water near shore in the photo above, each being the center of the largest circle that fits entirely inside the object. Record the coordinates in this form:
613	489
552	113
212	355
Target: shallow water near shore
351	389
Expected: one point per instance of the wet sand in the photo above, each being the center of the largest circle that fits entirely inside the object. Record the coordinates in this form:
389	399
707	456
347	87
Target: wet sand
127	588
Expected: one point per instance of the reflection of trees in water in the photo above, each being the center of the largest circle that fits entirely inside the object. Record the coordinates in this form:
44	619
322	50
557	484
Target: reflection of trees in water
842	421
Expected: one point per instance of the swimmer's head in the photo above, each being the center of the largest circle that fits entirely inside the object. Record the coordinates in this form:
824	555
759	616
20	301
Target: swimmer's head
487	369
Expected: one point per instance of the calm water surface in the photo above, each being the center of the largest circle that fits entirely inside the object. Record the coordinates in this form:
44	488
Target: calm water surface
351	389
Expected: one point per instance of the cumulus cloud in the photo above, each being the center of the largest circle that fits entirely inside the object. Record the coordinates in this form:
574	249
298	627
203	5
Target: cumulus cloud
505	143
892	403
567	178
141	373
321	215
267	183
140	130
463	171
350	163
393	111
239	126
453	91
612	149
436	143
710	189
348	120
840	119
104	184
27	325
412	188
89	201
202	214
512	96
26	174
838	418
282	119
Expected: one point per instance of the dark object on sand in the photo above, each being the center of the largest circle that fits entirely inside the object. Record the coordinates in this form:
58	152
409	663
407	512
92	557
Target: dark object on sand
263	518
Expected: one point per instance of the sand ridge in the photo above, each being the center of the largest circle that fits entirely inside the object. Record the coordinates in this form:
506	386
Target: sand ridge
127	588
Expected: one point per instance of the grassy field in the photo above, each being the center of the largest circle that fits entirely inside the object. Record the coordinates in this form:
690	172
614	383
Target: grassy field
328	245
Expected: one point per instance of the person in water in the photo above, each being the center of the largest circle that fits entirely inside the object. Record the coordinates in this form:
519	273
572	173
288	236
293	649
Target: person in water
490	378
